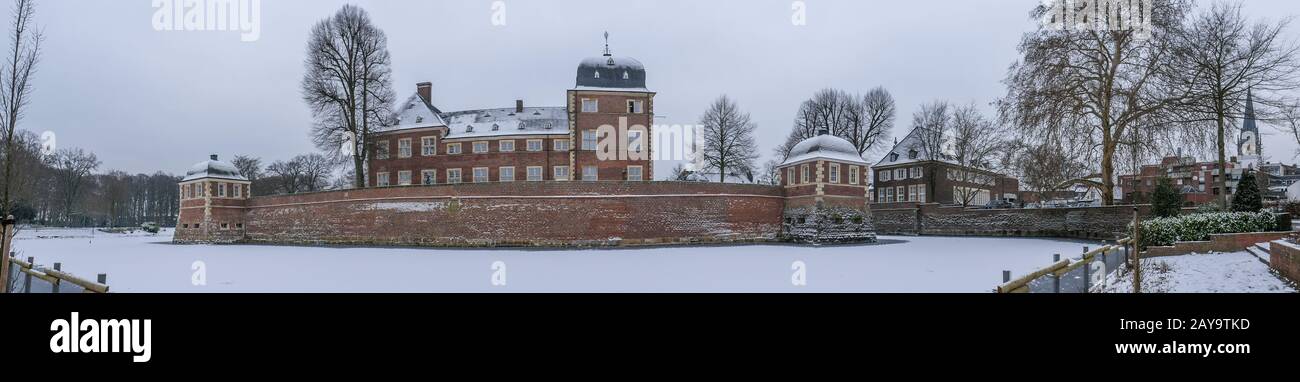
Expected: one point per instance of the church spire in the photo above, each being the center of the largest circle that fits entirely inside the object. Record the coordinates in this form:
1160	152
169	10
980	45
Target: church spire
1249	123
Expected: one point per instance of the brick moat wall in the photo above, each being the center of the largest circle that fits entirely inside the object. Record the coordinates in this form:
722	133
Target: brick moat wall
521	214
933	219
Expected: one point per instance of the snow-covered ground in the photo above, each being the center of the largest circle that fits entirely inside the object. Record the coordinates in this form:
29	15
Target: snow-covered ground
150	263
1238	272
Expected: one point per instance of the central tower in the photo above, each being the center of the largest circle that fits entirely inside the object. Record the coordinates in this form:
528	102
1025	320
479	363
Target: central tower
610	115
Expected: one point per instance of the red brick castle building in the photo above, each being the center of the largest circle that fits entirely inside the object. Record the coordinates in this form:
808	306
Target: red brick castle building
574	175
524	144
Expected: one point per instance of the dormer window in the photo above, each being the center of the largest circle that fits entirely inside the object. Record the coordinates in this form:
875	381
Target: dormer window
469	128
626	75
496	127
911	154
893	157
597	75
419	119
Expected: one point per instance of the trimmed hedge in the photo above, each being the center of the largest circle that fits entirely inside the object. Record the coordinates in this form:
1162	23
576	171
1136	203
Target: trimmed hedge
1199	227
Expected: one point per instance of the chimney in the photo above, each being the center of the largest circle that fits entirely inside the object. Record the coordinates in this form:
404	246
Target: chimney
519	106
213	156
425	89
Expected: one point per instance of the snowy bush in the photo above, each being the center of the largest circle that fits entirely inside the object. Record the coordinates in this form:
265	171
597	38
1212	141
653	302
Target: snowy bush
1199	227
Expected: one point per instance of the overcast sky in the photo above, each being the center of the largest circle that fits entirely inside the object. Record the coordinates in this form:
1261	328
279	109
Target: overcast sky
147	100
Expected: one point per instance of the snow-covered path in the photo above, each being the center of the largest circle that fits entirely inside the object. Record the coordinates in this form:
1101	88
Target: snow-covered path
1203	273
143	263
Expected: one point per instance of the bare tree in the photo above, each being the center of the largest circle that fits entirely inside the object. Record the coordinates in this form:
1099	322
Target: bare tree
976	141
72	167
286	175
316	171
728	138
15	90
1288	119
869	120
1219	60
348	84
1103	83
863	120
251	168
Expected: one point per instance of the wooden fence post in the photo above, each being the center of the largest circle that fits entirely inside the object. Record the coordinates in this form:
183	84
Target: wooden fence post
6	243
1137	252
27	283
57	267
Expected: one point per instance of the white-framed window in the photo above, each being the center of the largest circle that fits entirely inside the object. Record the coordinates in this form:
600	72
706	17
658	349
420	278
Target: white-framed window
590	105
561	144
480	147
404	148
202	189
534	145
429	177
429	146
453	175
635	173
917	173
239	190
900	173
453	148
506	174
535	173
911	193
884	175
590	173
889	195
854	173
635	143
560	173
589	140
635	106
803	174
880	195
381	179
403	178
481	175
835	173
901	193
381	150
920	193
221	190
506	146
789	176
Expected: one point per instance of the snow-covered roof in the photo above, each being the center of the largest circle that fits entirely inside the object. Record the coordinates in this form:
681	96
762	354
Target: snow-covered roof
416	113
506	121
909	150
213	169
824	146
611	72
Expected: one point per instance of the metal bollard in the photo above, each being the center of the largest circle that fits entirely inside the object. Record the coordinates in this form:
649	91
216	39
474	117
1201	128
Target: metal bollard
27	281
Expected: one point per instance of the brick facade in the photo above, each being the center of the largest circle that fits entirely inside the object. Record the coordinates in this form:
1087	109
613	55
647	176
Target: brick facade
515	214
933	219
930	182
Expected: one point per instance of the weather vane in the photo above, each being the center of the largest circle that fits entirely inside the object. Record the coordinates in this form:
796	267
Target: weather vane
607	43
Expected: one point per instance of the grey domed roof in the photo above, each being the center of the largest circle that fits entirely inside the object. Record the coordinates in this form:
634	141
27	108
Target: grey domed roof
611	72
213	169
824	146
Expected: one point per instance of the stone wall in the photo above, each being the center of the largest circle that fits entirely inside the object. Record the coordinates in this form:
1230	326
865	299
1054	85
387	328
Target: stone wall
933	219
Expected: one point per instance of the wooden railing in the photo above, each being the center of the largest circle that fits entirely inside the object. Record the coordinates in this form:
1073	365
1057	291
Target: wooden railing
1060	268
55	277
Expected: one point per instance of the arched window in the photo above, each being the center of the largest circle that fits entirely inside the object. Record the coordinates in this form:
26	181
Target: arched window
626	76
597	75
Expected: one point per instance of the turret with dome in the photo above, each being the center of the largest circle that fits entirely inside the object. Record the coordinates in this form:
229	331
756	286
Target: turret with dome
611	72
826	185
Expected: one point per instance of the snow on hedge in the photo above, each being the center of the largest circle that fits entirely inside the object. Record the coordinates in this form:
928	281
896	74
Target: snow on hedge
1199	227
1202	273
